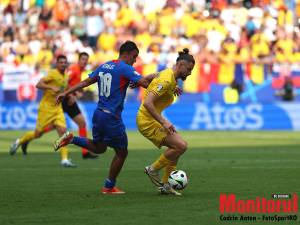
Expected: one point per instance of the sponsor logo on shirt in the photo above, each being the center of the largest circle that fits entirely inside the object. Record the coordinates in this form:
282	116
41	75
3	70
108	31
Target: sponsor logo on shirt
159	87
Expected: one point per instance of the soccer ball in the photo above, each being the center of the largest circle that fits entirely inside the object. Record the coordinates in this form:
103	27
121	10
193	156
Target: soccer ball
178	179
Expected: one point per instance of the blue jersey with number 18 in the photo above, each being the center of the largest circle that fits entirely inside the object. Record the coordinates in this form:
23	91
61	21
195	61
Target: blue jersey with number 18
113	78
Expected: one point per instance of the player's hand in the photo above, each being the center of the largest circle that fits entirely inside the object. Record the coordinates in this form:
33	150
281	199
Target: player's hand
60	98
55	89
177	91
169	127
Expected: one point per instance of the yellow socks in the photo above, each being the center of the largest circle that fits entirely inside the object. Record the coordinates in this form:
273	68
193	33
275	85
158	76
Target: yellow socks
28	136
64	153
169	165
161	162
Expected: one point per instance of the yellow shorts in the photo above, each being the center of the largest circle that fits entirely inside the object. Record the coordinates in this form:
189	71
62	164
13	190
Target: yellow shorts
151	129
47	117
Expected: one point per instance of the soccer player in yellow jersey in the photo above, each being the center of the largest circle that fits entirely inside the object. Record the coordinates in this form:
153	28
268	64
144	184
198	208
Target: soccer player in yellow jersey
49	114
156	128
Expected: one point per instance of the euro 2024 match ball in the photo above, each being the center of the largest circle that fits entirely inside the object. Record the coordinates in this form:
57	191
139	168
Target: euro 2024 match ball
178	179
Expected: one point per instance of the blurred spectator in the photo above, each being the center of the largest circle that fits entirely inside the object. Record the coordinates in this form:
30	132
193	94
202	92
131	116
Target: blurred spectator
230	37
287	93
61	11
77	23
44	18
94	25
250	26
231	93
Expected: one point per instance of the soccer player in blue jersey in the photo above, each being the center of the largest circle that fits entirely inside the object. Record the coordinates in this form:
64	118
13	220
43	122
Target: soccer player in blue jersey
113	79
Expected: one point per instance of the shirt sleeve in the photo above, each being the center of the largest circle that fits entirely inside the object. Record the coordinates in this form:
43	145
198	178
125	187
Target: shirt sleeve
160	87
49	77
94	74
131	74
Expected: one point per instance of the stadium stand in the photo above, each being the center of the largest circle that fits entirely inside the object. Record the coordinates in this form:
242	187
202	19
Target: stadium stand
255	44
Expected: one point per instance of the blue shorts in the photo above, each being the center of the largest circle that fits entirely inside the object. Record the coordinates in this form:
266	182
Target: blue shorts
109	129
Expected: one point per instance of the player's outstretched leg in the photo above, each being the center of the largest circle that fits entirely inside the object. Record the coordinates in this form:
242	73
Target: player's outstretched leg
68	138
154	176
64	140
82	130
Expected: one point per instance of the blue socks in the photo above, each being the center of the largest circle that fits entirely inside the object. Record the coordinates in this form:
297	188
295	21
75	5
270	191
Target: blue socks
109	183
80	141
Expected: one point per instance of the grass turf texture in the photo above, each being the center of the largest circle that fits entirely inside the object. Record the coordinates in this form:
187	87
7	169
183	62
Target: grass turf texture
36	190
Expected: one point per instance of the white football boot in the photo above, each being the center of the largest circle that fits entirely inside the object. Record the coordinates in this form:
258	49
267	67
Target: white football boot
154	176
166	189
14	147
67	163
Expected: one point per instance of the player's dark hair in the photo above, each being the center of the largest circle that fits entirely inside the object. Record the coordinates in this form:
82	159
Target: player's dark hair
184	55
128	46
61	57
83	54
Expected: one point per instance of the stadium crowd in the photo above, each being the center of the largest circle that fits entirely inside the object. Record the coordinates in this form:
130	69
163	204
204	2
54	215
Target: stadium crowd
217	32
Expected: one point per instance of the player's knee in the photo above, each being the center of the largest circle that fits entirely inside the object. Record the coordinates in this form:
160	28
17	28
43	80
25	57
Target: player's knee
122	153
100	149
186	145
182	147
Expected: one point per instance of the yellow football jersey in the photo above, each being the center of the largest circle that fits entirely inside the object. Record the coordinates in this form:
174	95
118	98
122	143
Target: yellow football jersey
54	78
163	86
49	112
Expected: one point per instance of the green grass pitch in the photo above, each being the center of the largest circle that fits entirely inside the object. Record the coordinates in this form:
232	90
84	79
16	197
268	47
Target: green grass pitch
36	190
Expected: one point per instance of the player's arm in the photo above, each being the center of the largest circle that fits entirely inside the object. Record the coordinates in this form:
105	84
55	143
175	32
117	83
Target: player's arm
85	83
43	84
136	79
149	105
150	77
145	81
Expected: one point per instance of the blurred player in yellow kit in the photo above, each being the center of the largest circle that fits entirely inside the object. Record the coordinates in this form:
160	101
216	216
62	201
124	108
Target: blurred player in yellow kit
50	115
156	128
